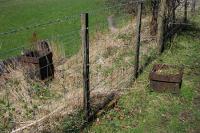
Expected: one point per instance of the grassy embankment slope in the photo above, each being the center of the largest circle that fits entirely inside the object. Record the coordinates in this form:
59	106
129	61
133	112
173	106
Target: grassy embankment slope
144	111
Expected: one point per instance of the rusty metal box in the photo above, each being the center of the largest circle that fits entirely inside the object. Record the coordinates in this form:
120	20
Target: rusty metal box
166	82
39	64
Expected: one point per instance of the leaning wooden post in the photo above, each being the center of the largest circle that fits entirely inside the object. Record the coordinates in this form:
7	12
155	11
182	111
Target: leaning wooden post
185	11
161	25
138	31
86	79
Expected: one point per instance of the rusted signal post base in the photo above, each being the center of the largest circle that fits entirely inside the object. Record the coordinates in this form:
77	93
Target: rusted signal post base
39	63
166	82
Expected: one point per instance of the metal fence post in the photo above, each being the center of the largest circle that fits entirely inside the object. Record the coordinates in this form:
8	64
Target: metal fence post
138	31
86	79
161	25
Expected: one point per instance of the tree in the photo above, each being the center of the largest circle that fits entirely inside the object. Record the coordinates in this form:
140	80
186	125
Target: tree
154	23
171	15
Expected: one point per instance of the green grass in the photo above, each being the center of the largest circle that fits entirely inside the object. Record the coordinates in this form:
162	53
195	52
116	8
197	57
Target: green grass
144	111
17	14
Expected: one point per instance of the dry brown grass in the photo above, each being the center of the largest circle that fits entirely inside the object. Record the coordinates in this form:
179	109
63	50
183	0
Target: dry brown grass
111	69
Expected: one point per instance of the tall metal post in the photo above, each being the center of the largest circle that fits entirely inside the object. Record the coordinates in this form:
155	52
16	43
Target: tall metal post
138	37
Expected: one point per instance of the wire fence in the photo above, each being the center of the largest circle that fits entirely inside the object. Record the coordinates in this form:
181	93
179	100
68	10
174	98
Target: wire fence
30	104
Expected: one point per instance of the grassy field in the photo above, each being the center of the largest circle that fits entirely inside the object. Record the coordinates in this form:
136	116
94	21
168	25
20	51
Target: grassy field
143	111
17	14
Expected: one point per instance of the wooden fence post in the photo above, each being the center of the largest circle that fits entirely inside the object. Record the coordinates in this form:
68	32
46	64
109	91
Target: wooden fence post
138	31
86	79
193	6
185	11
161	25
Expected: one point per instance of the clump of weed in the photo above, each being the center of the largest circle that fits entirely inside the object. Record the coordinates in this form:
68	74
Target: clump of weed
125	38
73	123
168	71
110	51
6	116
41	92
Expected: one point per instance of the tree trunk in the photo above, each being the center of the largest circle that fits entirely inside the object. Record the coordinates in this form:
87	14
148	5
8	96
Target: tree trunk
161	25
154	23
171	16
193	6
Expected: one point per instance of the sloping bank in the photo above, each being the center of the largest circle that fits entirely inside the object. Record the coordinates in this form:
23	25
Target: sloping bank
144	111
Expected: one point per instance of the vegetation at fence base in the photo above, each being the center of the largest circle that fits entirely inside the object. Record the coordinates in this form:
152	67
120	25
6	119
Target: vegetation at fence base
142	110
72	123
